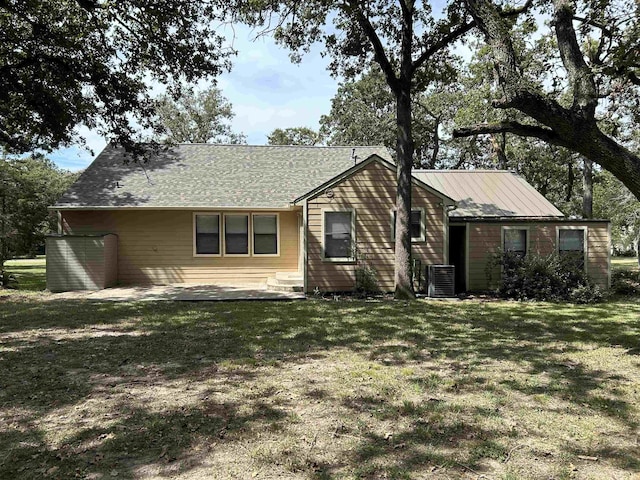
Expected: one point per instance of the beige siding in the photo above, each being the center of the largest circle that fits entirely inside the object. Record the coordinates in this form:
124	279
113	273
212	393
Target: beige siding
156	247
370	193
485	239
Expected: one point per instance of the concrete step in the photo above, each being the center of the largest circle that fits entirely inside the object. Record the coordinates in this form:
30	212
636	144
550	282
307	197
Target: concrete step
289	278
288	285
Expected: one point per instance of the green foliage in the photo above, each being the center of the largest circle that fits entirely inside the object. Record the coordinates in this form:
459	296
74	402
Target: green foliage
67	63
625	282
198	117
614	201
294	136
363	112
27	187
543	278
366	275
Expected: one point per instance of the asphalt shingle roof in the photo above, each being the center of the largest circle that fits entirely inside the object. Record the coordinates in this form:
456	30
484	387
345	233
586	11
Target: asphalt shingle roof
247	176
205	175
489	193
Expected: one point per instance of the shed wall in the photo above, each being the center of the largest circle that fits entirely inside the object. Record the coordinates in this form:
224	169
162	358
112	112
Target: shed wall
80	263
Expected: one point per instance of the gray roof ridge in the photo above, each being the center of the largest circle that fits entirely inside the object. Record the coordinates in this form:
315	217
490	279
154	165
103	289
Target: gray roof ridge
280	146
459	170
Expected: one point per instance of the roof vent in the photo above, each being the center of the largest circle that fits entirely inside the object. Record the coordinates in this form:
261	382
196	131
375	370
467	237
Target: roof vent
354	157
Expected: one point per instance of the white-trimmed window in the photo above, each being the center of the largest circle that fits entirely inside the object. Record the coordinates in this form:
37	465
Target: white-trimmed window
416	226
236	234
515	240
572	243
338	236
265	234
206	232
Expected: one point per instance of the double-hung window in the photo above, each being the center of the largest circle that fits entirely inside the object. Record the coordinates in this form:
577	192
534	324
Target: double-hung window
416	226
514	240
339	233
207	234
571	245
265	234
236	234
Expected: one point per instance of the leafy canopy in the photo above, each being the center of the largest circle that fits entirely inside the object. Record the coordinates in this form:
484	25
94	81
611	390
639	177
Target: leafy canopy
67	63
294	136
198	117
29	186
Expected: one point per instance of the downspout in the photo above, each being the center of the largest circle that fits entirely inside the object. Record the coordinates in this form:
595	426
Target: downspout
446	209
305	242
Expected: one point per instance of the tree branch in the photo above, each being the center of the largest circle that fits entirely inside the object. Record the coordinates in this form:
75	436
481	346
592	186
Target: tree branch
378	49
516	128
461	30
442	43
585	98
606	30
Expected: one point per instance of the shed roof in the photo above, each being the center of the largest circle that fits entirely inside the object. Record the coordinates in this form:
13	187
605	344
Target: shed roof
489	193
211	176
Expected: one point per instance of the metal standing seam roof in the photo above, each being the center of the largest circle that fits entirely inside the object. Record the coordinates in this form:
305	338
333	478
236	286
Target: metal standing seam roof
211	176
489	193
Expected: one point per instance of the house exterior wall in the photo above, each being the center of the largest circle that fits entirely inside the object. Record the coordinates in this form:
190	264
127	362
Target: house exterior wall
157	247
371	194
486	238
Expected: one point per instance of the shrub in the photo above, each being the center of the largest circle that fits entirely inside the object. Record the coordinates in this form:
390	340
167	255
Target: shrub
366	279
366	274
544	278
625	282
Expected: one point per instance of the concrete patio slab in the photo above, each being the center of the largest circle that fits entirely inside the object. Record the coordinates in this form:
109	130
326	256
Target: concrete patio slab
181	292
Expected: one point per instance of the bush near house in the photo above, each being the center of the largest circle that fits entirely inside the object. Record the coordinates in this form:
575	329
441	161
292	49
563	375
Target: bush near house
544	278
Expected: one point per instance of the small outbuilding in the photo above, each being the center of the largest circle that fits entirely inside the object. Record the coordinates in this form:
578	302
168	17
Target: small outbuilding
81	262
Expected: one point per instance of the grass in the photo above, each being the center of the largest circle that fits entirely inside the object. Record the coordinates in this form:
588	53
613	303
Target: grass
316	389
624	263
29	273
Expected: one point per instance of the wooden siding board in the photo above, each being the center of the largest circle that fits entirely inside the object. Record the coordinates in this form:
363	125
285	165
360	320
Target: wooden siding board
371	193
485	239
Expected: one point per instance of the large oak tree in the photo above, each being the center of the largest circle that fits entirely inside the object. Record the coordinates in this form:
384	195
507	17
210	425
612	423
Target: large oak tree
404	39
67	63
597	46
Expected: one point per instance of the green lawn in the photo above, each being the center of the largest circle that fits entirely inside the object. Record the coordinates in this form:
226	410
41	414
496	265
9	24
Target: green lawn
624	263
318	389
29	273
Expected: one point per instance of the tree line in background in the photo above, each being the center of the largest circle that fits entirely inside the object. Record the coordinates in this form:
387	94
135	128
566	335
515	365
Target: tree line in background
27	187
551	88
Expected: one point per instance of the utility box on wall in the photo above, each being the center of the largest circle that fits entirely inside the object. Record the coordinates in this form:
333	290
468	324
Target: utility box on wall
81	262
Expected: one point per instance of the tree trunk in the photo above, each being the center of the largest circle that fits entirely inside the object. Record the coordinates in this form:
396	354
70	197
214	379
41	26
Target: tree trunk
404	151
587	189
570	179
436	143
498	148
574	127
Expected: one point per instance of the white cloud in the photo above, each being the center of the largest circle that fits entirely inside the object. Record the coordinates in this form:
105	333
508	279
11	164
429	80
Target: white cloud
267	92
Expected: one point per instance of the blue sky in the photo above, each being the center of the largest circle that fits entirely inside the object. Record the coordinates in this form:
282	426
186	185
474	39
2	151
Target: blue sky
267	91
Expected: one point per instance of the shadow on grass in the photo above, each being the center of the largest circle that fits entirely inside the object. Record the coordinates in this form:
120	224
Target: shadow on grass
56	353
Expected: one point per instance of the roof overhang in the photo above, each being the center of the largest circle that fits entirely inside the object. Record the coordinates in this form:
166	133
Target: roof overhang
359	166
190	208
454	219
